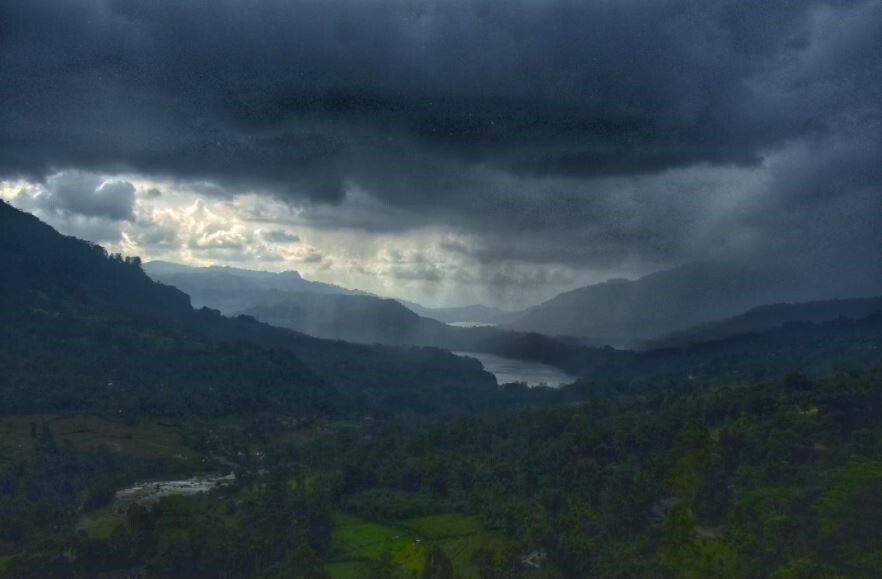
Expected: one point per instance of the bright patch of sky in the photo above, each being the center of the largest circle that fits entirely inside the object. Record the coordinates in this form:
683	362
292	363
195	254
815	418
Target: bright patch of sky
180	223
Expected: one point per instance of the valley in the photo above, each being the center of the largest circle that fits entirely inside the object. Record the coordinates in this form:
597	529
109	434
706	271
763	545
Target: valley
440	289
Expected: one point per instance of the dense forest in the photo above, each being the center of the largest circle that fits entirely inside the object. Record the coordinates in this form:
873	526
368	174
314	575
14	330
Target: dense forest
779	478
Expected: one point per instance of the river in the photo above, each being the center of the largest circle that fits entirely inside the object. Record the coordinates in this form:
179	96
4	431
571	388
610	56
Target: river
511	370
147	493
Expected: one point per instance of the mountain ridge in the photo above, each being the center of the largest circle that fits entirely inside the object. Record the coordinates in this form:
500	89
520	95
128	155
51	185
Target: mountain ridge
79	322
770	316
627	313
478	313
177	274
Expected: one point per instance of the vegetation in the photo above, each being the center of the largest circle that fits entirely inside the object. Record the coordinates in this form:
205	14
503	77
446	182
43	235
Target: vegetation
771	479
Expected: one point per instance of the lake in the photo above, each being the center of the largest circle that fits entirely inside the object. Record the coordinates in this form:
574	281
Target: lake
510	370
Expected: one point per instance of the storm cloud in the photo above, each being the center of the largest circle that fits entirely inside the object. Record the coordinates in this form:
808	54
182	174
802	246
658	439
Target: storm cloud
615	135
88	195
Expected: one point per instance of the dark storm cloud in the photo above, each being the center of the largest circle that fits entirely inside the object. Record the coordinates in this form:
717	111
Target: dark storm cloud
555	129
298	97
76	193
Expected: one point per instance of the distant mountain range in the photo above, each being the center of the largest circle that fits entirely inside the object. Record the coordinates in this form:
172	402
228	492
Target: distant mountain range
477	314
228	288
763	318
231	290
637	314
84	331
287	300
361	318
627	313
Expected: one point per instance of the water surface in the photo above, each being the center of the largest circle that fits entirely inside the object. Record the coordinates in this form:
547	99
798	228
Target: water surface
511	370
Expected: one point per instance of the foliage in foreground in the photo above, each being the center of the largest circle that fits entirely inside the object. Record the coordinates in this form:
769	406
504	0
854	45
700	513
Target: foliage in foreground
779	479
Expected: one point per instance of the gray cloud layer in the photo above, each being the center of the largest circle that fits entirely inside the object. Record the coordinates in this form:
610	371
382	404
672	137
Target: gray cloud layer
89	195
590	133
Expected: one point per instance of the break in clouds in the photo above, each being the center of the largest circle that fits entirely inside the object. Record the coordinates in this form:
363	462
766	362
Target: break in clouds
451	151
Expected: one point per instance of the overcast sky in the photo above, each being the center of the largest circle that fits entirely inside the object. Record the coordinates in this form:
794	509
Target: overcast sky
451	151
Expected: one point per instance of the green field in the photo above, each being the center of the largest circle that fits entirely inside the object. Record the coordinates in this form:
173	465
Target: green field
358	542
459	536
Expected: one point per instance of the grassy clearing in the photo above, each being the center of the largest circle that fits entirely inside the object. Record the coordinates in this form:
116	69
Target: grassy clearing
357	542
360	540
459	536
152	439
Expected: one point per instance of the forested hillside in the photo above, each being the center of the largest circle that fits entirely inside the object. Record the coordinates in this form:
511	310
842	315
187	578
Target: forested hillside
771	316
88	331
